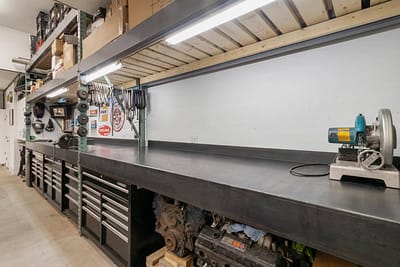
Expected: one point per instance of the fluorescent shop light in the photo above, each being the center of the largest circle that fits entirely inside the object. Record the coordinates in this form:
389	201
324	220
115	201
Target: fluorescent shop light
101	72
228	14
57	92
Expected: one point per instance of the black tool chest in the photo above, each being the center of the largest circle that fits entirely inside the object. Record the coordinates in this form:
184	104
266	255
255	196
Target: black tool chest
105	213
116	216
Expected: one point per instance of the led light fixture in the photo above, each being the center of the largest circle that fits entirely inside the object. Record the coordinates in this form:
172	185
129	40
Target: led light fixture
229	13
57	92
101	72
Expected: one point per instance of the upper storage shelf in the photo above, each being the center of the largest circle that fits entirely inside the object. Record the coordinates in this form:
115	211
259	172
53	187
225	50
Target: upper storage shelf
146	56
42	58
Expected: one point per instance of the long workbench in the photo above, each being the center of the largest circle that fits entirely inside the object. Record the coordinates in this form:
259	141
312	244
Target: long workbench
358	222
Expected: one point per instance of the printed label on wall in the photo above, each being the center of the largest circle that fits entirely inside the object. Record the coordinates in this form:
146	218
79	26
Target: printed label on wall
104	114
104	130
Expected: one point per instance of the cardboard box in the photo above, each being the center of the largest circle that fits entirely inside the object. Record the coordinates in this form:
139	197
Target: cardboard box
140	10
56	62
69	56
113	27
160	4
57	47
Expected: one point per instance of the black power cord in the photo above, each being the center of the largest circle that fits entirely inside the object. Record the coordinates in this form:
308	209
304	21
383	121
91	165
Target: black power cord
293	171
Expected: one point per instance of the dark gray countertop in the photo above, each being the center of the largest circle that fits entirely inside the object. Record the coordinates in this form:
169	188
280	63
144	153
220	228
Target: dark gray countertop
270	177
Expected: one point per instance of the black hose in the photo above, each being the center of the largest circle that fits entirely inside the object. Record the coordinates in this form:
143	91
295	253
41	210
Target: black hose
299	174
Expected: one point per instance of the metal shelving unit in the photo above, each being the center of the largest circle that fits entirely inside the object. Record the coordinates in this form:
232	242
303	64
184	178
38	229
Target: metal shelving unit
65	78
66	23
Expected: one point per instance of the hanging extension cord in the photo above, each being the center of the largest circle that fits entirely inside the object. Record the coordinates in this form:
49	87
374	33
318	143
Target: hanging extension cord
293	171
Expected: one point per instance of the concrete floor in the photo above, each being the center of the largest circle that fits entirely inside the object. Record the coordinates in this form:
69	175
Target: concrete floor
33	233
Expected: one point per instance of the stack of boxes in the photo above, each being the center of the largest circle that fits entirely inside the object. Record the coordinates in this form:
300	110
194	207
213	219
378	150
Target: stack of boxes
63	53
57	64
140	10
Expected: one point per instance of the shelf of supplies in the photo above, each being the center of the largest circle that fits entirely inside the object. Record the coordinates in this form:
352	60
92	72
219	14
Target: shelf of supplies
65	78
44	53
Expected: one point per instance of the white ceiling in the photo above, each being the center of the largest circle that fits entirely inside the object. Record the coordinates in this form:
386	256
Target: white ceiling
6	77
21	14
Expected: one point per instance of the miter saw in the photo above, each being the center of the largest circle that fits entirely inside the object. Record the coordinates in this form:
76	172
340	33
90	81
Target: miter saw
367	150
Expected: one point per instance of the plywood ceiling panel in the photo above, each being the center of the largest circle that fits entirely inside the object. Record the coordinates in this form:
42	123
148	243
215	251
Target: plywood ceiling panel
281	15
312	11
343	7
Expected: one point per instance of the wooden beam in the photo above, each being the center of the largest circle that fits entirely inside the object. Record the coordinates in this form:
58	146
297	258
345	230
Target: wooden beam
161	57
204	46
375	2
222	41
171	52
343	7
312	12
130	84
281	16
257	25
189	49
237	33
365	16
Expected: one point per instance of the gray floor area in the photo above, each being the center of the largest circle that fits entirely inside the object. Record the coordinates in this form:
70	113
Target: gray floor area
33	233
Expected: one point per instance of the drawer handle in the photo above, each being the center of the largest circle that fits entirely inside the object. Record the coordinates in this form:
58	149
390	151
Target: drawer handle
71	168
90	189
88	211
57	172
114	220
71	177
47	182
57	182
119	214
115	203
106	182
56	188
86	194
90	204
72	189
71	199
115	231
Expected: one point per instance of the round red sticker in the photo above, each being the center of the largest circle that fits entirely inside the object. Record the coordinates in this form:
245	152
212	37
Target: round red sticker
105	130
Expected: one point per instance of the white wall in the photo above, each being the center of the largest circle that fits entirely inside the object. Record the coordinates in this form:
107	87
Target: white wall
286	102
13	44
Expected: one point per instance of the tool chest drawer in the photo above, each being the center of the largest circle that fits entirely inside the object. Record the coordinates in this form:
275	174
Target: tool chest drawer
107	183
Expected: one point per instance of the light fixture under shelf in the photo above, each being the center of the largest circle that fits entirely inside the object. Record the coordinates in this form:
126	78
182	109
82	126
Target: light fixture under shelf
57	92
101	72
221	17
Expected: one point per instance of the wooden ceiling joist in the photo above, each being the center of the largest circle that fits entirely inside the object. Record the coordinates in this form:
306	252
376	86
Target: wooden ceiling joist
312	12
281	16
343	7
256	24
